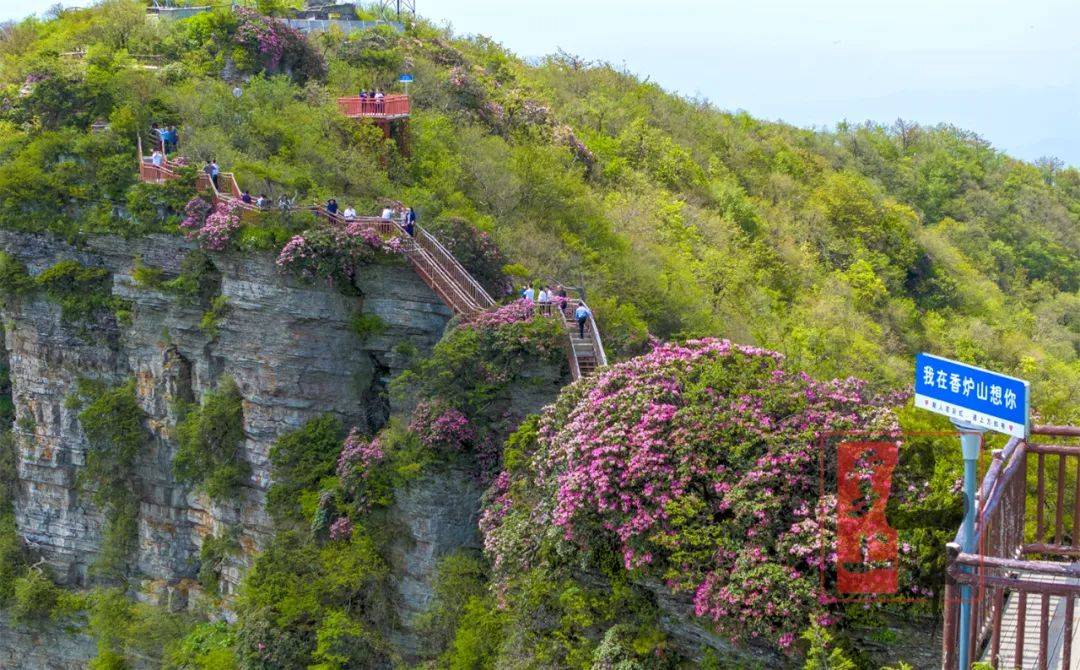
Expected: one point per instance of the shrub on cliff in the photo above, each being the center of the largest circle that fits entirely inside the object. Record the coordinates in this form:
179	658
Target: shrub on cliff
303	464
112	421
211	437
82	292
15	281
463	395
335	252
694	465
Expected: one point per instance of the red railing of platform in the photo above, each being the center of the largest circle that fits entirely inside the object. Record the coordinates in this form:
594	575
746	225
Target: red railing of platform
388	107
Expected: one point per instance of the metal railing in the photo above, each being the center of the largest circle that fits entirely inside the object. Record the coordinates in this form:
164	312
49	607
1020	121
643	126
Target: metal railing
390	106
472	289
1023	578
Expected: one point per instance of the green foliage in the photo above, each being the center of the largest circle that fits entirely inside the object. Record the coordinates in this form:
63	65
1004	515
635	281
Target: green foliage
460	578
212	317
199	281
145	275
824	652
303	604
367	325
477	639
82	292
127	632
208	646
475	368
303	464
113	423
15	281
211	437
34	597
214	552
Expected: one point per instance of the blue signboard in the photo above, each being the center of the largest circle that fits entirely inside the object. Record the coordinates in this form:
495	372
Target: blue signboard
405	79
971	395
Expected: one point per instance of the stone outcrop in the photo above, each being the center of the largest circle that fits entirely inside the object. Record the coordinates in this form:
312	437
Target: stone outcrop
287	344
44	648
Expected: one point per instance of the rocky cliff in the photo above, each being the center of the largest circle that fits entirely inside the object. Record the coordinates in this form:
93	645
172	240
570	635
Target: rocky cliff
288	345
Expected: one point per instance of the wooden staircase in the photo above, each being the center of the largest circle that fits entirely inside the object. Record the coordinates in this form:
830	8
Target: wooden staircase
434	264
586	354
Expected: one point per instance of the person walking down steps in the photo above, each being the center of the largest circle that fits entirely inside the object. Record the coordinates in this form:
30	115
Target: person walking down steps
582	315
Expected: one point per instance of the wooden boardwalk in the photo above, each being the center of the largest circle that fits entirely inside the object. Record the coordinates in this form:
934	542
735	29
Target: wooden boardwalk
1055	634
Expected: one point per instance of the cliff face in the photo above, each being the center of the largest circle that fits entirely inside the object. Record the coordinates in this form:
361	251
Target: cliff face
288	345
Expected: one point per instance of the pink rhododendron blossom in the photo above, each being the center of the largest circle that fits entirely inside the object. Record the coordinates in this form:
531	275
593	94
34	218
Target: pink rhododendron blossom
341	529
212	226
697	462
441	428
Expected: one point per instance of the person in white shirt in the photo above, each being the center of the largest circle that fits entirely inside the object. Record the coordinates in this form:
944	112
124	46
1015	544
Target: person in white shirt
387	213
529	293
349	213
157	158
582	315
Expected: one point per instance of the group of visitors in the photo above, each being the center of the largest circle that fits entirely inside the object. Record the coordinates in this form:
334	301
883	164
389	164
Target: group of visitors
375	97
166	138
405	216
262	202
546	298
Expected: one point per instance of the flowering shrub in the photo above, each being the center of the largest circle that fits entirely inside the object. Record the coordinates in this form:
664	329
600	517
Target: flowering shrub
358	455
441	428
519	311
213	226
268	43
696	463
333	251
355	468
341	529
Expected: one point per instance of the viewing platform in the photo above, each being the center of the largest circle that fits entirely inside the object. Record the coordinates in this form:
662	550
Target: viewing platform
388	108
1024	575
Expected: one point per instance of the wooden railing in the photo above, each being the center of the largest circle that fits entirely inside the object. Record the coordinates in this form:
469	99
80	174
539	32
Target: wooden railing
389	107
1023	578
469	287
436	266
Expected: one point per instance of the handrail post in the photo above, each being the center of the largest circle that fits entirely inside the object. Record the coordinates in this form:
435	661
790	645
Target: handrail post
970	441
950	636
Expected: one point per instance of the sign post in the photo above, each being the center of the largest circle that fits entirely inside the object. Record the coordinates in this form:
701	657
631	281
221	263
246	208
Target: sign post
405	79
976	400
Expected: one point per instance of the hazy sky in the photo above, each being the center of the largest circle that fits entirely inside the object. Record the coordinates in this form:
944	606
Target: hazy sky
1007	69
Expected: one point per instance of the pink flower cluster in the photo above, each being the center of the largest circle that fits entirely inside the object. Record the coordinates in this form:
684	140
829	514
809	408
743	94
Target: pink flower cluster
441	428
326	250
698	462
266	34
358	455
294	251
341	529
212	226
519	311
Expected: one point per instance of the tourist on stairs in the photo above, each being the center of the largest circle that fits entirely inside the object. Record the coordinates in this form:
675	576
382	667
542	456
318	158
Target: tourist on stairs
582	314
349	214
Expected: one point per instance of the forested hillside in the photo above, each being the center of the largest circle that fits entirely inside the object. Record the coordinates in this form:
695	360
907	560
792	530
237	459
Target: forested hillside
846	251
